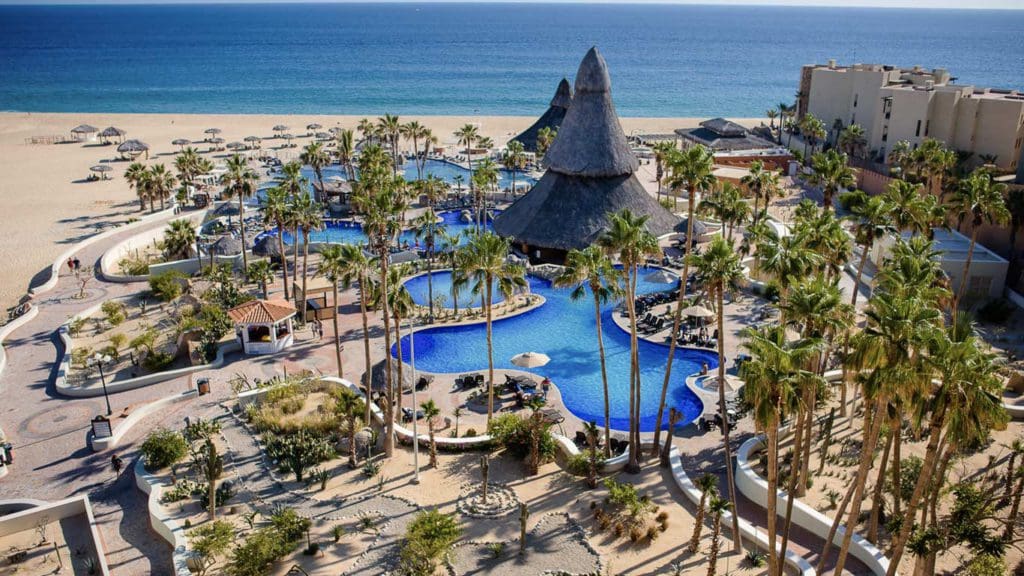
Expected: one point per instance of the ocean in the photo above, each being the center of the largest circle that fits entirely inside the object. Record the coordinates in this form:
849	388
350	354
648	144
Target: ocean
467	59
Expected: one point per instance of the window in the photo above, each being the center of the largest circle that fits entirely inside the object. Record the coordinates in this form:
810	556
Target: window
855	98
885	133
917	132
927	126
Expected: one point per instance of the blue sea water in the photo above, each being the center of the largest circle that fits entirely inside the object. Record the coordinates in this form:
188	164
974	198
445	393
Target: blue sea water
466	59
565	330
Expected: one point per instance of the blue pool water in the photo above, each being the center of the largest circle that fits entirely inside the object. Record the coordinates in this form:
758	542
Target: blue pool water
565	331
420	291
342	232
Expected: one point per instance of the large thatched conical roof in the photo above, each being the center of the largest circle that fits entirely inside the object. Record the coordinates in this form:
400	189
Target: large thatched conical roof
590	174
552	118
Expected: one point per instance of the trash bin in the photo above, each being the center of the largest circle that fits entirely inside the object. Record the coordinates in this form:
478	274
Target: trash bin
203	384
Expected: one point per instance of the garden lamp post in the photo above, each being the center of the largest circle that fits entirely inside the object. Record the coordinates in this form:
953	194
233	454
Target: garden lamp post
99	360
415	434
199	252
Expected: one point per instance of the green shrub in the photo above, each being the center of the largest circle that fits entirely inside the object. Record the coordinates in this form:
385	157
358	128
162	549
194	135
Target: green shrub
117	340
337	531
80	356
181	490
257	553
512	432
985	565
579	464
157	361
429	537
299	452
167	286
75	326
289	524
113	311
133	266
162	448
225	492
625	496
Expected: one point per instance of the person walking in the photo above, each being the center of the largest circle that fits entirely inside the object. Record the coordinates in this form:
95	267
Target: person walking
71	265
117	463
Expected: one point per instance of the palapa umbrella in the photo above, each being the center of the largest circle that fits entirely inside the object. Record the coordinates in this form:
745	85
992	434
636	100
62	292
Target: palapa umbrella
101	170
217	142
697	312
181	143
661	276
280	128
133	148
530	360
323	136
112	132
288	137
313	127
236	145
83	132
253	141
211	132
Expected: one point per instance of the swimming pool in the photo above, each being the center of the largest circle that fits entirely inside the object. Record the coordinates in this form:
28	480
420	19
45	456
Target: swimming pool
345	232
419	289
564	330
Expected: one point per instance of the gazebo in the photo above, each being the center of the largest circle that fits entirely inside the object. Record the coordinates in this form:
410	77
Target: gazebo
590	174
84	132
112	133
133	148
263	326
551	119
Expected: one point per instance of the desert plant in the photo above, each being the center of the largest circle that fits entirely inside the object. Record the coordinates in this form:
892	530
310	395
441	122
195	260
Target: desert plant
208	542
428	538
162	448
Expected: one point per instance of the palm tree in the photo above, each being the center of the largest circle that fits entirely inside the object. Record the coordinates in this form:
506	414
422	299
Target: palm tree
333	267
628	237
294	183
852	140
662	150
187	165
832	173
873	221
179	238
357	270
391	128
980	199
466	136
317	158
762	184
401	306
786	259
708	486
348	406
813	131
514	160
274	206
308	216
784	112
415	132
382	199
718	267
486	178
717	507
545	136
369	130
449	243
136	174
345	148
262	274
910	211
771	114
692	169
425	226
163	183
591	269
430	414
485	258
240	182
727	205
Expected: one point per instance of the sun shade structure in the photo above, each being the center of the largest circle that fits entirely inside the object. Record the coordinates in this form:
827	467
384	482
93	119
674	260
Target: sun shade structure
263	326
530	360
699	228
590	174
226	246
551	119
112	133
181	142
84	129
280	128
102	170
133	148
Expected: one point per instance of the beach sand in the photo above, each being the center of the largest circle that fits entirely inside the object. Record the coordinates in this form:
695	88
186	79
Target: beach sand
47	204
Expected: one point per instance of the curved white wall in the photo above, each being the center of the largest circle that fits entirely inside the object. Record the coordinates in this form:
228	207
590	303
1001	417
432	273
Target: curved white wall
164	525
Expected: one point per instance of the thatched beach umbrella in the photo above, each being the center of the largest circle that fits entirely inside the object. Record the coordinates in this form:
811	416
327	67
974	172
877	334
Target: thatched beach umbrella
323	136
551	119
226	246
84	132
311	128
133	148
235	145
217	142
181	143
288	137
111	132
253	141
102	170
697	312
280	129
211	132
661	276
699	228
590	174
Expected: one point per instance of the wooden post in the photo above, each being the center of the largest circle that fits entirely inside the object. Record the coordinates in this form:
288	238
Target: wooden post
524	513
485	466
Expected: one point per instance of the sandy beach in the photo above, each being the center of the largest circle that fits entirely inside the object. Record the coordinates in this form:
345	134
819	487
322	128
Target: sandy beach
47	203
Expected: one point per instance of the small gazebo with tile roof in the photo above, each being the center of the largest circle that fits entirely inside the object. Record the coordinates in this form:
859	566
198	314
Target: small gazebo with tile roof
263	326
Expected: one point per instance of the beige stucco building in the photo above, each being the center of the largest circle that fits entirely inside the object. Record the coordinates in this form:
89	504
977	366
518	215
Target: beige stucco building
894	104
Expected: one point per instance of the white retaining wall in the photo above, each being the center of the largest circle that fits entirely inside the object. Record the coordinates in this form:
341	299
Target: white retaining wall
100	444
162	524
29	517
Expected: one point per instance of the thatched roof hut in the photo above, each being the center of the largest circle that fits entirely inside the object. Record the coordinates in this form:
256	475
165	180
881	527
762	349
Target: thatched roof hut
590	174
226	246
133	148
551	119
84	129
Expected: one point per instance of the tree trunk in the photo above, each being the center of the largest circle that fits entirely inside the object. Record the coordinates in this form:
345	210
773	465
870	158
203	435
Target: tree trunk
877	493
716	532
897	499
337	335
772	444
604	377
1014	509
284	258
860	272
633	464
820	569
867	455
699	524
305	264
804	469
795	455
389	410
430	276
967	269
295	258
736	537
399	390
490	354
241	230
367	377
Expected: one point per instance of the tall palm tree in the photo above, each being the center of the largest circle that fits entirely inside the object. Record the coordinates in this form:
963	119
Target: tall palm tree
628	237
786	259
400	304
774	376
430	414
771	114
872	217
486	178
240	182
852	140
316	157
333	267
813	131
179	238
708	486
910	211
187	165
382	200
717	507
762	183
274	206
690	169
832	173
163	182
345	148
391	128
485	258
719	266
136	174
727	205
262	274
358	267
514	160
414	131
424	227
449	244
294	183
466	136
784	113
348	406
662	150
308	216
591	269
980	199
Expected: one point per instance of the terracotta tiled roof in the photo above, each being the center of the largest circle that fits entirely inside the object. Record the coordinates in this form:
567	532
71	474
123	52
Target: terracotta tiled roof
261	311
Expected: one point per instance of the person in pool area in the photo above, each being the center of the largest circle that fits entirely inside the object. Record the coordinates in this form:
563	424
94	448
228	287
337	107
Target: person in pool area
545	385
704	369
